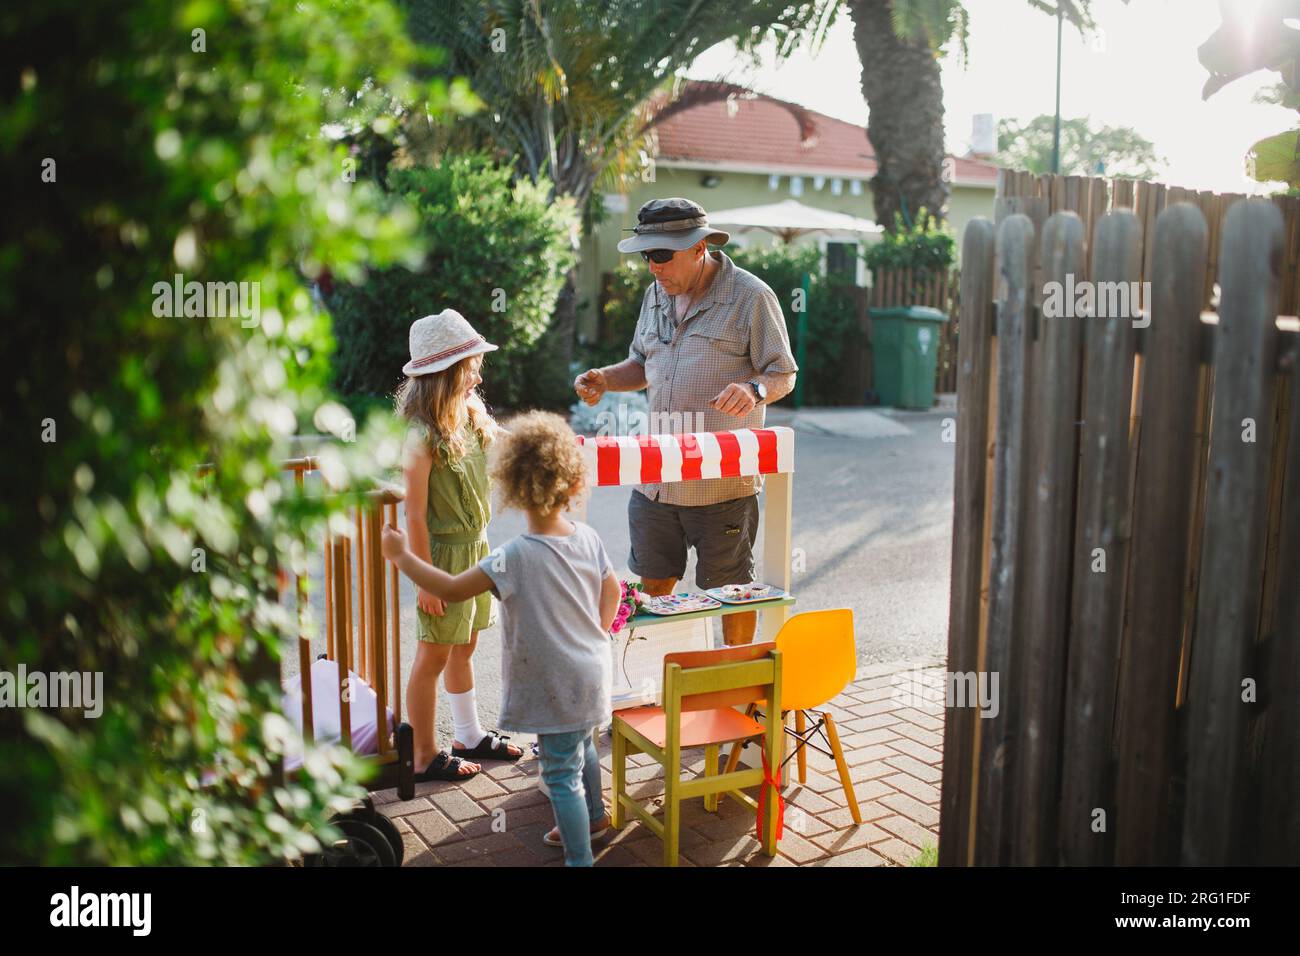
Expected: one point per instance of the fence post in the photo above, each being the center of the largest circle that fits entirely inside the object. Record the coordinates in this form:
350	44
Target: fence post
1100	542
1162	501
974	352
1228	604
1037	679
1016	263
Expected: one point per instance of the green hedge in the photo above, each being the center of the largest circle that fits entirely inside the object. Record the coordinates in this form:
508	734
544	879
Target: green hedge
200	153
498	251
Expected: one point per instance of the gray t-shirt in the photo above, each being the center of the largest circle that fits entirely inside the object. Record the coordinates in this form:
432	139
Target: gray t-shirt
555	657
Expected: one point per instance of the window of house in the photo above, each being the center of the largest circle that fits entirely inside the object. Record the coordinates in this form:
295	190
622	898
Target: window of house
842	260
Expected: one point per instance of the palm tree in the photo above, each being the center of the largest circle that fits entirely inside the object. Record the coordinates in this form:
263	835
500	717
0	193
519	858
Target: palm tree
572	89
900	44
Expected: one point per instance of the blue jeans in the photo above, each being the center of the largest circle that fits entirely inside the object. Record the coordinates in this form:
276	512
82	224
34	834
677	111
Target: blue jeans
571	778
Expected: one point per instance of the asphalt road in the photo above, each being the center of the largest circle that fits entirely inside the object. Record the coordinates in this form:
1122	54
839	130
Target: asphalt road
872	515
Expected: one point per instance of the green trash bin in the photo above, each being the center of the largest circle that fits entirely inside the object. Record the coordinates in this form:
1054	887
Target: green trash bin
905	354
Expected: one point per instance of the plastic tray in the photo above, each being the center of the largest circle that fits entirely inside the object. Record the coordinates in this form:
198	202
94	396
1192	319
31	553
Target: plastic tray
773	593
680	604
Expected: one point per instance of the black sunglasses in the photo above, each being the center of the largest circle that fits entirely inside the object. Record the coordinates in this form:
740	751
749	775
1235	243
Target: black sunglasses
659	256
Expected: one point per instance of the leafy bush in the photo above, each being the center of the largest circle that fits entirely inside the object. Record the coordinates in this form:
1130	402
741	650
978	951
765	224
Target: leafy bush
498	251
927	248
619	308
184	139
833	339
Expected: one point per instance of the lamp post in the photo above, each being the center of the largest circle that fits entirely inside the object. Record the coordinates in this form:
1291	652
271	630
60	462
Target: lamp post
1056	126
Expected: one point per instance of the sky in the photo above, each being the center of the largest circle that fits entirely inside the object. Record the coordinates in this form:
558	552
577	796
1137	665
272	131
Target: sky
1139	70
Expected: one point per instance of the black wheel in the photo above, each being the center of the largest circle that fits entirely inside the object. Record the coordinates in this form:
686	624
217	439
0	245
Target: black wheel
387	827
362	845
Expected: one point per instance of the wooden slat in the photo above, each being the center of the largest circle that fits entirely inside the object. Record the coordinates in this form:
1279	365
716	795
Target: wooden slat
1037	686
304	640
974	349
1015	257
1123	193
1144	831
342	624
1289	206
329	594
1279	811
1100	523
346	605
378	624
361	563
1228	604
395	604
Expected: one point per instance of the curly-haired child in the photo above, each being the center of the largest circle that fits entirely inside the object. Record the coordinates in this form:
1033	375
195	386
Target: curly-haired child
559	596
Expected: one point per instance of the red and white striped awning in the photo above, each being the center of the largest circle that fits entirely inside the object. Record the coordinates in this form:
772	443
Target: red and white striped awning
654	459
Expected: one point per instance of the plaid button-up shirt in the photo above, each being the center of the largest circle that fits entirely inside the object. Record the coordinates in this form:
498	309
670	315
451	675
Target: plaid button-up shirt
733	333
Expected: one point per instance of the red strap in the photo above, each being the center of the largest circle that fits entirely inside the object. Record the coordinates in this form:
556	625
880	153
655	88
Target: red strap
607	460
762	802
652	460
729	463
766	450
692	456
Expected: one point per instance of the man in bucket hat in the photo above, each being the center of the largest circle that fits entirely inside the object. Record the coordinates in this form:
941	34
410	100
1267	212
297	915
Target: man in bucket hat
711	350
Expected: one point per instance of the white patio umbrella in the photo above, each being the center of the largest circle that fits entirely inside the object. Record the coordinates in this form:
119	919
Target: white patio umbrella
791	218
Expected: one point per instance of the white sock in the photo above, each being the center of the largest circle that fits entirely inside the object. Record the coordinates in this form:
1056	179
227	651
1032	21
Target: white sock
464	717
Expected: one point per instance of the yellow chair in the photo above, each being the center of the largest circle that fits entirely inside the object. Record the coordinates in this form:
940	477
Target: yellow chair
819	659
700	693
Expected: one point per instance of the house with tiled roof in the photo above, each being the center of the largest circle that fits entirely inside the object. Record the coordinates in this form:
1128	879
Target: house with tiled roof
755	150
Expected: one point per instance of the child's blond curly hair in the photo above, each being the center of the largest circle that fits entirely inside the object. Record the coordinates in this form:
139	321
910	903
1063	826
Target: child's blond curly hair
536	463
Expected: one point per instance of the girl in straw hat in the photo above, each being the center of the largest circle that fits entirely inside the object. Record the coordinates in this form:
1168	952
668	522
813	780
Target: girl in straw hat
448	505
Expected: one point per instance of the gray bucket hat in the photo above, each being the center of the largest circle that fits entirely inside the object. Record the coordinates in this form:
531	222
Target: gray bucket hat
671	224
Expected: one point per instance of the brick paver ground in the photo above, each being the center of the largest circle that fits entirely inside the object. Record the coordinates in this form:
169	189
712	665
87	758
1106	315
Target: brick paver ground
890	721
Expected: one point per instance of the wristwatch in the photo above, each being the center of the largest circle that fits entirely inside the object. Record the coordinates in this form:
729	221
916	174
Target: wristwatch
760	390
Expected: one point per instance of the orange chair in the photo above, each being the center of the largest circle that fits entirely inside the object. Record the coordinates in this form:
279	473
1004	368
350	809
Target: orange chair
700	693
819	658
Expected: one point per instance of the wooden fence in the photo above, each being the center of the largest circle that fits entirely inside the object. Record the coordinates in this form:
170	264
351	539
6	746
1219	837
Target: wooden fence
1127	508
362	629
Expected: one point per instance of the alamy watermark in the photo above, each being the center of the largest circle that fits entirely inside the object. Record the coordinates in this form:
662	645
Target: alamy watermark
78	690
637	422
1097	300
213	300
919	687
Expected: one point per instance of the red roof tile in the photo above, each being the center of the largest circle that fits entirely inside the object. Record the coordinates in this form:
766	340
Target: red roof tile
762	132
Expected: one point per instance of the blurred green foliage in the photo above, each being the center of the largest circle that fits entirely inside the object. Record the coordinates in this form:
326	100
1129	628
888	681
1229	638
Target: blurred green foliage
620	304
833	337
186	138
498	251
927	247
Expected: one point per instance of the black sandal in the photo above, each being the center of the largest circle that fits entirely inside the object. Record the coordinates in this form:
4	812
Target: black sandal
491	747
444	767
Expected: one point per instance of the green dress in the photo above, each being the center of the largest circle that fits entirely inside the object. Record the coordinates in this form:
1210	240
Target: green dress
457	515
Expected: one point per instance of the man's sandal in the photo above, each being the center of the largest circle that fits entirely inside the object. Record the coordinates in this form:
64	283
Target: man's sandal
443	767
491	747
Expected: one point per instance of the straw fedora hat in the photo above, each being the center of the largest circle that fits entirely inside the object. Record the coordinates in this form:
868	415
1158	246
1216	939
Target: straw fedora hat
440	341
674	223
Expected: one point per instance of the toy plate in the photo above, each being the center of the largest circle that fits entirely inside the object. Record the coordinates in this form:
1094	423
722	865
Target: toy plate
772	593
679	604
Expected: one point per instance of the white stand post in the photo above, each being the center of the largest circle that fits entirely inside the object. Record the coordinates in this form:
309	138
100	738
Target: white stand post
777	523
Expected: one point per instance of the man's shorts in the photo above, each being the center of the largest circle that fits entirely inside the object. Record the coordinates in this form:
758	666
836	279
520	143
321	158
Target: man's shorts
722	535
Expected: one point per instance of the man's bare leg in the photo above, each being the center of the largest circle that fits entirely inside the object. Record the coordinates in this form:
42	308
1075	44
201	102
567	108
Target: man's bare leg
739	628
658	587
